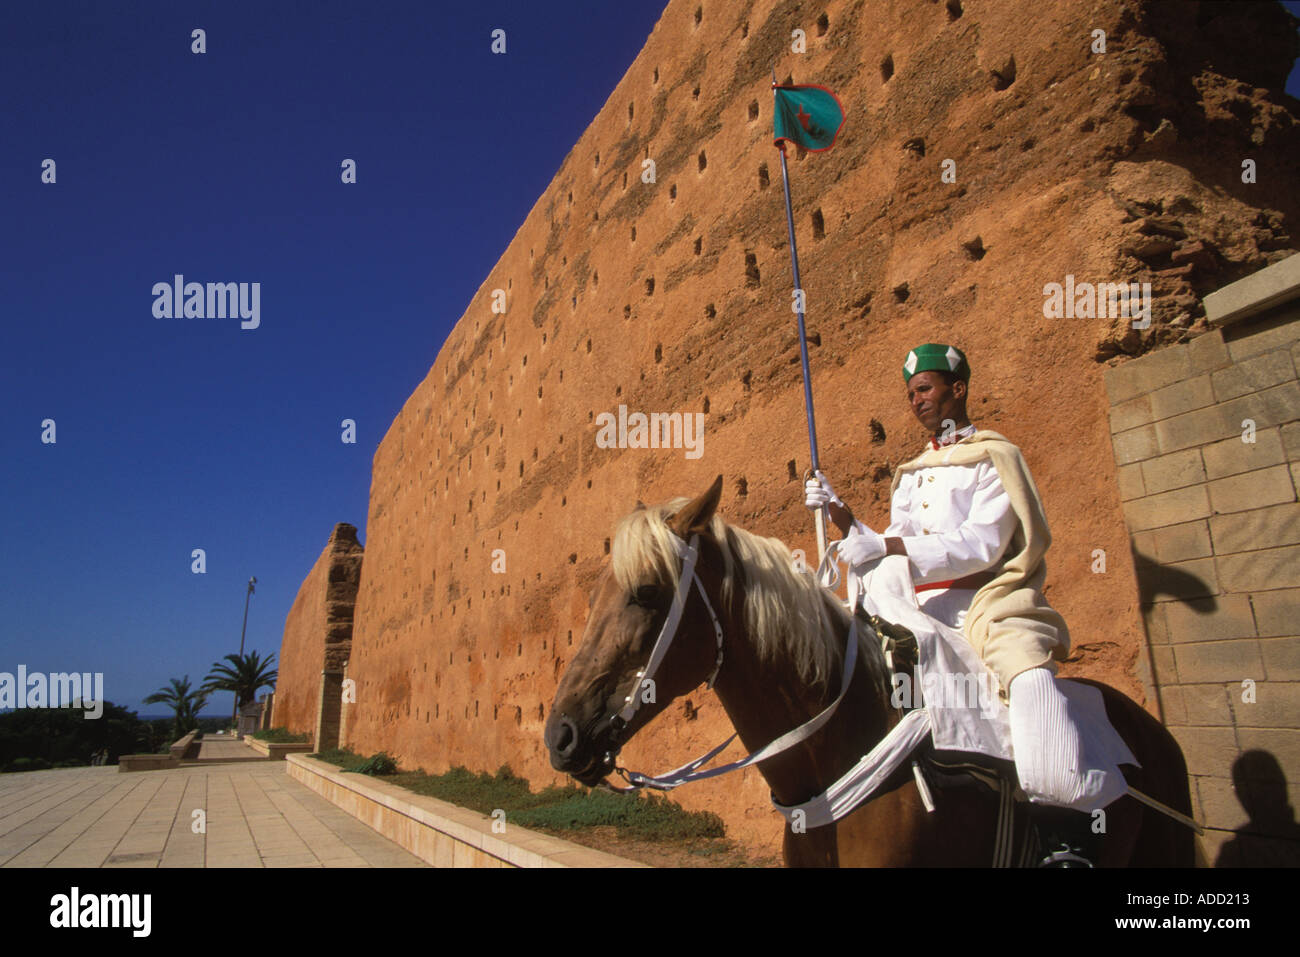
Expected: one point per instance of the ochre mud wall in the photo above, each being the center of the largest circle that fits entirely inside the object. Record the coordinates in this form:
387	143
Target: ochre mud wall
318	630
675	296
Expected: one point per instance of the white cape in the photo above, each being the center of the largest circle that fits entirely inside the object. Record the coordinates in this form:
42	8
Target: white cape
960	693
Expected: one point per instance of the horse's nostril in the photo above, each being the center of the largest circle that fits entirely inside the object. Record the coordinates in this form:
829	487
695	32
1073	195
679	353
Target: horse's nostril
566	739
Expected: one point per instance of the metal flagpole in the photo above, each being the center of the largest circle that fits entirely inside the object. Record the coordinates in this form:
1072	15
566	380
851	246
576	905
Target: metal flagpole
803	339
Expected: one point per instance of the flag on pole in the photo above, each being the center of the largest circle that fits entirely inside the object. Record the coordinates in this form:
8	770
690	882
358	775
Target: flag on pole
809	116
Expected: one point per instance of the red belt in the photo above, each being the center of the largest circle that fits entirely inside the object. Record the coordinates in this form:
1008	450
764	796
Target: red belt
978	580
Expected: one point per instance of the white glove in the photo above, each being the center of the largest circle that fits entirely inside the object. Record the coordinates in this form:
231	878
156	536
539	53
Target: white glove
861	546
818	492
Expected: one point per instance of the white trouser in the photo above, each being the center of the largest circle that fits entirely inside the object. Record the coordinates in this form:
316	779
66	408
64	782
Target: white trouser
1048	747
948	605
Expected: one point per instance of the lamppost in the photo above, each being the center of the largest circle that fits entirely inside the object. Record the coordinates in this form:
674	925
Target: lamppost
234	715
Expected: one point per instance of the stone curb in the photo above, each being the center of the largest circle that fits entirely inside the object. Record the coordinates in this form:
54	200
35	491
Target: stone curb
439	833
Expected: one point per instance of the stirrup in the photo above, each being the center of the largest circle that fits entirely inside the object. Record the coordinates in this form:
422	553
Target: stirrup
1065	858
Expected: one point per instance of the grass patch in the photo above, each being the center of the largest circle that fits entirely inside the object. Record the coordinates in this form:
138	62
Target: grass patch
379	764
281	736
339	757
644	816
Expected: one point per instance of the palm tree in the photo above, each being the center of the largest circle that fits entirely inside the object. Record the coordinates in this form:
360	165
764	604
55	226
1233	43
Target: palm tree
245	676
184	702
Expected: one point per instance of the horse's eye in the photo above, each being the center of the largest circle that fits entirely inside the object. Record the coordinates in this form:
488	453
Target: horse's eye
646	594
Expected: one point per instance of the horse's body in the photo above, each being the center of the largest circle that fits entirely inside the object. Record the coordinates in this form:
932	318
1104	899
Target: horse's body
783	643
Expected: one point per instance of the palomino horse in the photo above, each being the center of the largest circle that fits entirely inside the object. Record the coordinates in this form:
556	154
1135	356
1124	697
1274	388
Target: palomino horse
781	650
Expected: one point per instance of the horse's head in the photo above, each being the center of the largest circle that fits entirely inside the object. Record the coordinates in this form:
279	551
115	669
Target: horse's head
629	606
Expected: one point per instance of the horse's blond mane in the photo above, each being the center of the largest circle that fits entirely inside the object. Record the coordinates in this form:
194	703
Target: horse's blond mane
785	610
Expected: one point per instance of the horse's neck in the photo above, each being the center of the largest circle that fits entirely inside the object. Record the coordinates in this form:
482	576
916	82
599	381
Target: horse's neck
766	699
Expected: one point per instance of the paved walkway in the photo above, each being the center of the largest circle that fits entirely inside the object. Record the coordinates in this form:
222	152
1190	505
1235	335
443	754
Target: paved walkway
253	815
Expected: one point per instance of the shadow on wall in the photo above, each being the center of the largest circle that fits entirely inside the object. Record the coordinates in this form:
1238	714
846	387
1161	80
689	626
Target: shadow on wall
1271	838
1154	579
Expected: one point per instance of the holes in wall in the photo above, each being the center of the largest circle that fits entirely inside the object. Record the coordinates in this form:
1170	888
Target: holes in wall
703	161
710	311
706	405
818	224
672	192
699	15
607	546
887	68
753	110
656	79
1005	76
974	248
627	312
901	292
762	176
695	93
751	270
699	242
746	379
659	352
823	24
954	9
915	146
650	286
633	234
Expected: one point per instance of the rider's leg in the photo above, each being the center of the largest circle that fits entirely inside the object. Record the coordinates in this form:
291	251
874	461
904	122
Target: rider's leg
1050	765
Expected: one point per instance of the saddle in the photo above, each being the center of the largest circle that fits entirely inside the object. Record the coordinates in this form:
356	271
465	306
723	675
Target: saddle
1016	843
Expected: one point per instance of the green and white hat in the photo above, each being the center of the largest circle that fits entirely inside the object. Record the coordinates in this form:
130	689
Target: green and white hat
936	357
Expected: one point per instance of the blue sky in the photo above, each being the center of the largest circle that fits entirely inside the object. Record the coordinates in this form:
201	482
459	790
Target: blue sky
176	434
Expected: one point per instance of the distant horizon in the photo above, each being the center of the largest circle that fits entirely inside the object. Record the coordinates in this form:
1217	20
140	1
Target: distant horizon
143	717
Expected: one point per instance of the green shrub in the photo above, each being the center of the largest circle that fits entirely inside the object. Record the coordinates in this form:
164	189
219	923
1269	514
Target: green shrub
281	736
378	764
28	764
341	757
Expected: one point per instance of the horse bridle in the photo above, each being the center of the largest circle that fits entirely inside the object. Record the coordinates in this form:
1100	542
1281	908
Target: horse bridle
690	554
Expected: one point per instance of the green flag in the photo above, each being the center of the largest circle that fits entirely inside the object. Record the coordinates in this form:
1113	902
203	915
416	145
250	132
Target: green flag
807	115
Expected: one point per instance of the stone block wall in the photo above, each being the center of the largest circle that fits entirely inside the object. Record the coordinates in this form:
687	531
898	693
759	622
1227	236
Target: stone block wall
1207	443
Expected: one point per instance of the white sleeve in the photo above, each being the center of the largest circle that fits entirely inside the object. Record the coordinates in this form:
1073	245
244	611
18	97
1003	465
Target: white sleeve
900	521
977	544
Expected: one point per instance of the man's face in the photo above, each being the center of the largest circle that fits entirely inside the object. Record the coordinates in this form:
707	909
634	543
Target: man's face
933	400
